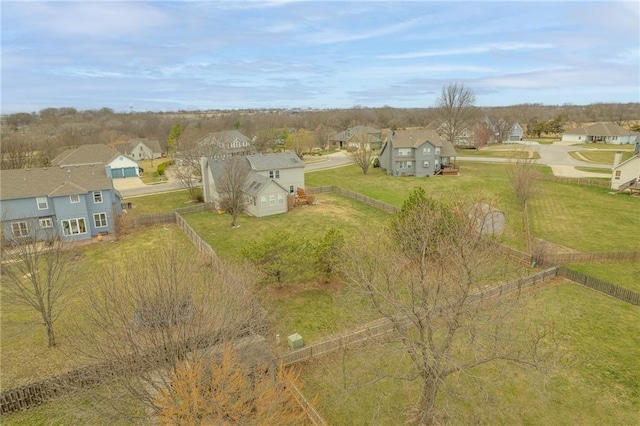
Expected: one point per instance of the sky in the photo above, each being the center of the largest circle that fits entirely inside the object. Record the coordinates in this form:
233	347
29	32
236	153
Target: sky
200	55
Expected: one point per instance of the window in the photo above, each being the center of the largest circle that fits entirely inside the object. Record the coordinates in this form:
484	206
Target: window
436	163
263	201
426	150
74	199
97	197
618	173
404	151
437	150
280	199
426	164
291	189
100	220
46	222
274	174
272	200
74	226
42	203
20	229
409	164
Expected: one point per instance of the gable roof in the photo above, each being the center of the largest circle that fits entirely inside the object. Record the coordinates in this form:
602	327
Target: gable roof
418	137
152	144
52	181
601	129
222	138
255	182
628	160
345	135
86	154
275	161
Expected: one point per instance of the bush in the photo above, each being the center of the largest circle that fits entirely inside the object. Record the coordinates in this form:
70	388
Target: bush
162	167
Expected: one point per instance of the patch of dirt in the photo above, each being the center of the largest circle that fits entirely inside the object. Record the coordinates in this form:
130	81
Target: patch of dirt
288	290
552	248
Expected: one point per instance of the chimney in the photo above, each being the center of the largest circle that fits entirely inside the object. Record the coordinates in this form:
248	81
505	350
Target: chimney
617	159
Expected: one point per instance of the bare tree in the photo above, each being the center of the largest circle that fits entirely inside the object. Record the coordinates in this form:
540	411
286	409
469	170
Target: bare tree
524	178
231	186
363	154
300	142
455	108
38	272
427	278
148	316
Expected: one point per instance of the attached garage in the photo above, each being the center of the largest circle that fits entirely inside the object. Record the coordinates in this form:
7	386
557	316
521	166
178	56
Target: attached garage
124	172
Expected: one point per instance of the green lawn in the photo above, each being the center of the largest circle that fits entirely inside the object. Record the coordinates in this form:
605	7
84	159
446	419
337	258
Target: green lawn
596	382
625	274
499	152
159	203
600	156
23	337
607	146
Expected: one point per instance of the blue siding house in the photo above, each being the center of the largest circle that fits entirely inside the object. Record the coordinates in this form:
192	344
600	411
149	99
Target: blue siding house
78	202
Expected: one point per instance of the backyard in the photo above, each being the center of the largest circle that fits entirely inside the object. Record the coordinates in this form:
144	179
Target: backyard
597	380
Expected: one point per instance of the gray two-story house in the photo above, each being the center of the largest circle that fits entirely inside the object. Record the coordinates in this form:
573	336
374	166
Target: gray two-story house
415	153
271	179
77	202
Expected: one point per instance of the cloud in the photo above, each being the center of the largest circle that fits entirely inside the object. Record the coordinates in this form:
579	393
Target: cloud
471	50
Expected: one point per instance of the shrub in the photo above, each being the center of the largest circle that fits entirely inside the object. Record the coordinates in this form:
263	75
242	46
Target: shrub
163	166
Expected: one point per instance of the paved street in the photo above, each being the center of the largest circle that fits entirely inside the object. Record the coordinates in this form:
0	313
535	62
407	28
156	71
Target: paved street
555	156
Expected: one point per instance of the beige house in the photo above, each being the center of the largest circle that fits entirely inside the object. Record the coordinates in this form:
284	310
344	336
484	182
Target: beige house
626	174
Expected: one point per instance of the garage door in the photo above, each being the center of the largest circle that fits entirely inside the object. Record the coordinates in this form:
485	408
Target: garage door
123	172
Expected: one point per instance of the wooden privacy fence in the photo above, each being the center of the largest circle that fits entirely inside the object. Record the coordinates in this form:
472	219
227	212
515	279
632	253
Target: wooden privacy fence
141	221
383	326
602	286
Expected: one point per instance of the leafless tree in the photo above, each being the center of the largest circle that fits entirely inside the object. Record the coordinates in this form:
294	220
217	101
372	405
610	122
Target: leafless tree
363	154
524	178
455	108
501	129
231	186
38	271
426	277
161	308
299	142
481	136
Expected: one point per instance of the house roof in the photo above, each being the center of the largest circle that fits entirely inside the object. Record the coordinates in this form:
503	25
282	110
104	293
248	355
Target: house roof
345	135
255	182
416	138
86	154
52	181
222	138
601	129
275	161
152	144
628	160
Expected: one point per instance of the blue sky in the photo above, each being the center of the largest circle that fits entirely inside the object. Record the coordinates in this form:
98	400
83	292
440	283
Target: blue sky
166	56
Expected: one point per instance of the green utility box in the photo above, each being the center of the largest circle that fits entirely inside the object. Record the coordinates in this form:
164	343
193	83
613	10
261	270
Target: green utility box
295	341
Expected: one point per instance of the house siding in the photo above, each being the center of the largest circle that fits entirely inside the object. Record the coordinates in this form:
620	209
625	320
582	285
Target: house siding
629	170
275	198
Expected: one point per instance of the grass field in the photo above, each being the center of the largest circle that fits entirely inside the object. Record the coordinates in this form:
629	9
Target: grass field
626	274
500	152
159	203
23	337
600	156
597	382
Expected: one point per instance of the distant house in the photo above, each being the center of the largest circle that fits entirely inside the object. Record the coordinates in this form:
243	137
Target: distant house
464	138
77	201
501	131
601	132
626	174
415	153
119	165
352	138
272	177
140	149
515	133
228	143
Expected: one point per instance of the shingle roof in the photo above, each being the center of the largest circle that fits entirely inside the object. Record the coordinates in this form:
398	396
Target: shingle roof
222	138
357	130
255	183
415	139
86	154
280	160
152	144
52	181
601	129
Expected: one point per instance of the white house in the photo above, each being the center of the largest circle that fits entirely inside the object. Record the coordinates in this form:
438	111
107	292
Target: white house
141	149
271	178
600	132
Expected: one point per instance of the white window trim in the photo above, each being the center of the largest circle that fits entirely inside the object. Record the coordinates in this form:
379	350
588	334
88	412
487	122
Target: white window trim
45	222
94	197
23	230
77	198
99	216
77	220
46	203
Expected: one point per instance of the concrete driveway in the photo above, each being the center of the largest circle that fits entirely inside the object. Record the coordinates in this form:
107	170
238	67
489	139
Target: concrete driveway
557	157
